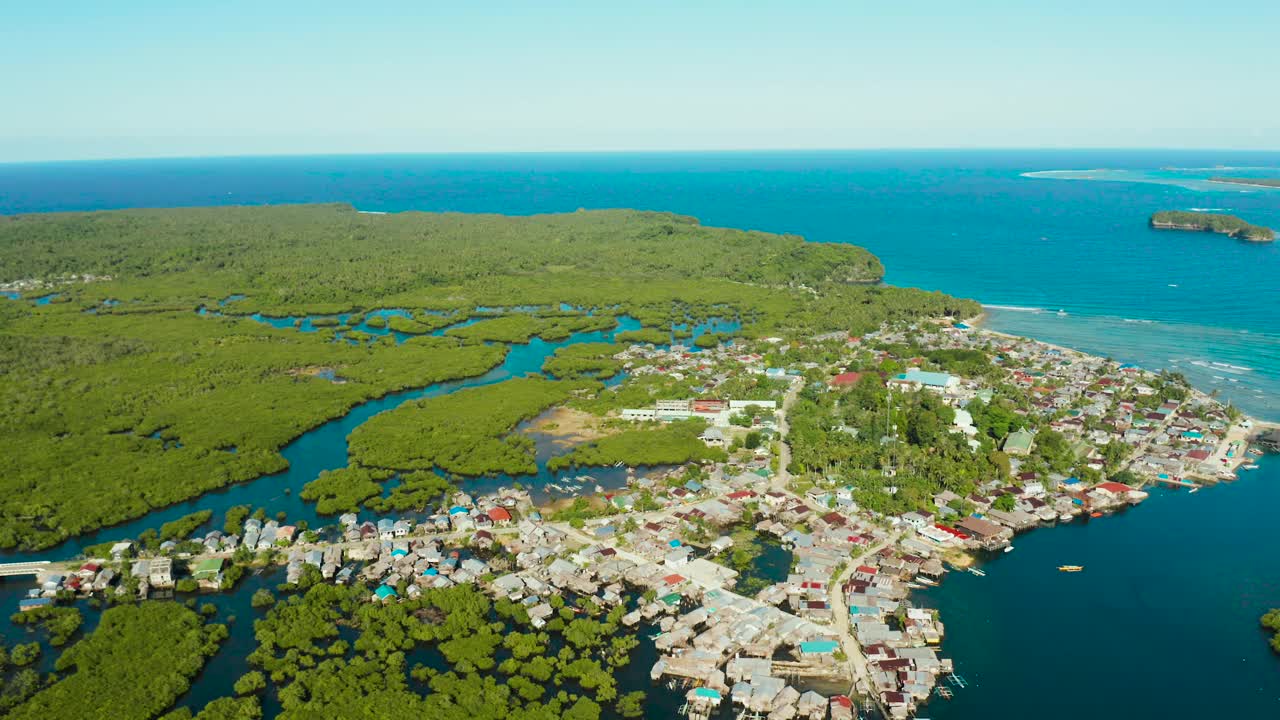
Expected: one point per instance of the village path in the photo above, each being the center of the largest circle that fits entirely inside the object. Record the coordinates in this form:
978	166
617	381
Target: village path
783	477
859	666
577	534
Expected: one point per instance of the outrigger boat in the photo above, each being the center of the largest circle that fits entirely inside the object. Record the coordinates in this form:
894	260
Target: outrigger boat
977	572
1070	568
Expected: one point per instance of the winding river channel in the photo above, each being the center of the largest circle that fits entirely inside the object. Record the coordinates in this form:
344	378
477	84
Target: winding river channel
317	450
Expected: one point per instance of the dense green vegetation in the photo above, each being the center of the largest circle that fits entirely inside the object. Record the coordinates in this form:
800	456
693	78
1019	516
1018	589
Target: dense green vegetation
419	325
346	489
60	622
666	444
495	665
1211	222
342	490
709	340
1271	621
926	457
332	254
415	491
19	686
584	360
520	328
134	665
855	436
24	654
233	523
84	393
468	432
650	336
183	527
510	329
222	709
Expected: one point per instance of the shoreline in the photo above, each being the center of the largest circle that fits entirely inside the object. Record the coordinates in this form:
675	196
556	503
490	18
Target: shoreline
979	323
971	560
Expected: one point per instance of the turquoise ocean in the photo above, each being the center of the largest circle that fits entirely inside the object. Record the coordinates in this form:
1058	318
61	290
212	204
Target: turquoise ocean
1163	622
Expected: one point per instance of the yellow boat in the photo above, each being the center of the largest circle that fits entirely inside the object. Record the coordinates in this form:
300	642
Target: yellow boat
1070	568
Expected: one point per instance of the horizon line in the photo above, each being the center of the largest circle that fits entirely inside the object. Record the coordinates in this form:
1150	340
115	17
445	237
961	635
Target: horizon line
684	151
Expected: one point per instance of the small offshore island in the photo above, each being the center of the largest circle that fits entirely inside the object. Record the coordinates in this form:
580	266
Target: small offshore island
756	455
1248	182
1228	225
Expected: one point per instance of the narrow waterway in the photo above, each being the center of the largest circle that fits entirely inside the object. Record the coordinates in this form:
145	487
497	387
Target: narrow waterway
320	449
323	448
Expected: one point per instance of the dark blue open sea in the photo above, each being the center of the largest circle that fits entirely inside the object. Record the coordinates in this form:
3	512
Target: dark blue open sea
1163	621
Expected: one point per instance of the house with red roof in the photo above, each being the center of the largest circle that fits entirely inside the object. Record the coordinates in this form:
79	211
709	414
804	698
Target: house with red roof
499	516
847	379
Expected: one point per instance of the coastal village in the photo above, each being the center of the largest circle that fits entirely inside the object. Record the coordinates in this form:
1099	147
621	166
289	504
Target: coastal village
835	633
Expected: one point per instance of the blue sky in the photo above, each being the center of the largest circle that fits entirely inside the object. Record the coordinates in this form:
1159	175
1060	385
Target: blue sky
139	78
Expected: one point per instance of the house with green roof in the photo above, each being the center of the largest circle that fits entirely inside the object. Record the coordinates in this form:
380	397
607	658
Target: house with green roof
208	572
915	379
1019	442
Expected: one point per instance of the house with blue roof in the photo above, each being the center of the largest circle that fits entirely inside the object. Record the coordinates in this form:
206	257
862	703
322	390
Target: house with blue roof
819	647
384	593
707	695
797	539
34	604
